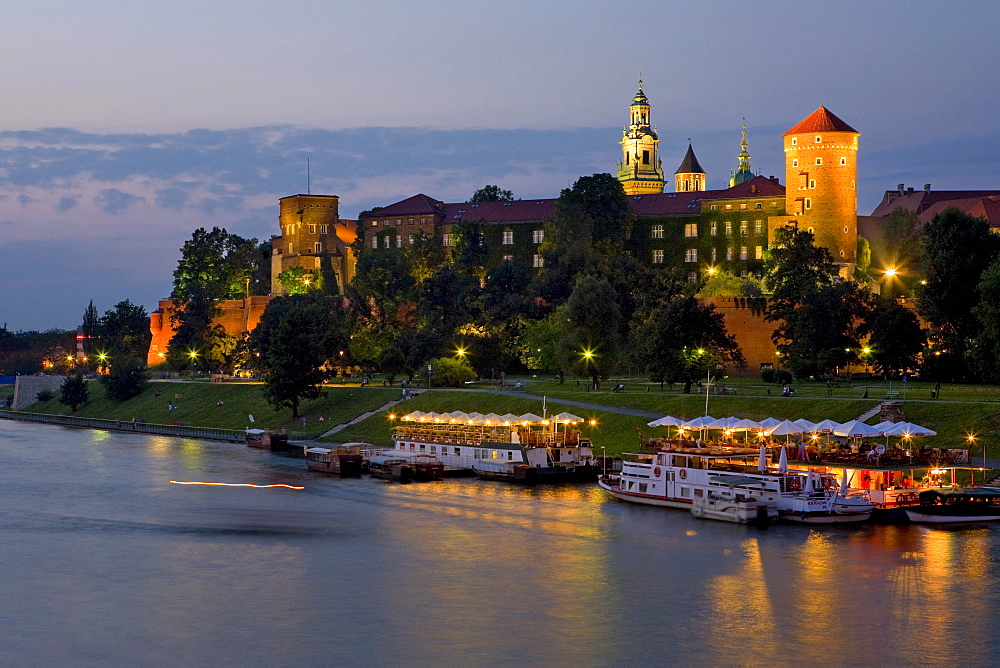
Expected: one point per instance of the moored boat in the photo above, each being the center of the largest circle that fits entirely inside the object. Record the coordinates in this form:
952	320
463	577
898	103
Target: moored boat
390	468
730	506
676	476
342	460
970	505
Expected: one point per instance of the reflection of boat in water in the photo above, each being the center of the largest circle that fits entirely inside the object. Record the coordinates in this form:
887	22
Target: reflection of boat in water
967	505
728	505
342	460
676	476
521	448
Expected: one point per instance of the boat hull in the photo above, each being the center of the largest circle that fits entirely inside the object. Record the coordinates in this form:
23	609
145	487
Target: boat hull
934	516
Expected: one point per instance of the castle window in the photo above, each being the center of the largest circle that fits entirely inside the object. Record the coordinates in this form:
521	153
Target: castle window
795	163
843	161
713	228
713	255
818	139
399	221
386	242
375	242
812	183
743	253
409	239
508	237
811	231
729	253
729	207
399	241
795	140
691	230
774	205
409	222
537	261
657	231
537	236
809	203
691	255
714	207
508	258
693	277
323	229
374	223
318	247
758	227
687	185
729	228
386	223
841	253
447	240
758	253
645	157
819	161
743	206
657	257
744	227
423	221
758	205
312	229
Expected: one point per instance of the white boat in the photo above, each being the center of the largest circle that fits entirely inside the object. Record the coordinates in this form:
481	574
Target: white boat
971	505
500	447
728	505
676	476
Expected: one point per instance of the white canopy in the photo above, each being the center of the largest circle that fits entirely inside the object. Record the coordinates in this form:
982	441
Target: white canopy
856	429
567	417
724	423
747	424
786	428
666	421
699	423
826	426
805	424
909	429
767	423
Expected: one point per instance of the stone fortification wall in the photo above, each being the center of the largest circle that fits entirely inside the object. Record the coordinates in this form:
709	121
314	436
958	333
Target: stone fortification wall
26	389
235	315
745	320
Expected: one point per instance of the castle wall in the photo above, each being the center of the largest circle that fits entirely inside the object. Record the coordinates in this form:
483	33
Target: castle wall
236	316
26	389
745	320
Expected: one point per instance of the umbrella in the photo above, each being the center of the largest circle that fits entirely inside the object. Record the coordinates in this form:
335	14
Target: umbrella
856	429
805	424
910	429
762	458
826	426
723	423
747	425
767	423
699	422
783	462
786	428
567	417
666	421
529	417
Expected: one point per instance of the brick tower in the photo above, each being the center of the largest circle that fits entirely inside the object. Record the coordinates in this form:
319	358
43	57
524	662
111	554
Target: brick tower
690	176
821	183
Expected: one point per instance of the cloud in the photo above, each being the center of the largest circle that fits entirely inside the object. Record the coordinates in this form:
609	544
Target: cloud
171	198
66	203
115	201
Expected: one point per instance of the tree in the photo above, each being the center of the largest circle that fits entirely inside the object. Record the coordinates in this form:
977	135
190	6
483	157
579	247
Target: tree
326	278
591	336
957	249
293	281
895	338
127	377
683	340
74	392
492	194
824	329
986	348
124	330
296	338
722	284
540	343
451	372
900	249
91	329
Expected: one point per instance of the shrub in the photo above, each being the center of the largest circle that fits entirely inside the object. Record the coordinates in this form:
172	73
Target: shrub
783	376
767	375
45	395
451	372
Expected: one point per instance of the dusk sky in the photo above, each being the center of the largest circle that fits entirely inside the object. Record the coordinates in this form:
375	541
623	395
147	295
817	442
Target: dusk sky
127	125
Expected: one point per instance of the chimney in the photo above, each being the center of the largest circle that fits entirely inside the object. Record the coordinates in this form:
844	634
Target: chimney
899	188
927	187
909	190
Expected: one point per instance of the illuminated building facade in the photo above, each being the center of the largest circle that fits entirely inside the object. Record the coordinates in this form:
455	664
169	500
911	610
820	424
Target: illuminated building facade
640	169
312	231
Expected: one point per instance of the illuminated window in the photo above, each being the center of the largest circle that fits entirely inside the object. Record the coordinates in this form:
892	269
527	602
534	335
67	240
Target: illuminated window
447	240
399	241
795	140
758	227
774	205
743	253
508	237
657	257
818	139
795	163
691	230
657	231
318	247
409	239
729	253
374	242
691	255
819	161
537	261
729	228
713	254
713	228
387	242
758	253
537	236
743	206
374	223
714	207
744	227
409	222
729	207
312	229
843	161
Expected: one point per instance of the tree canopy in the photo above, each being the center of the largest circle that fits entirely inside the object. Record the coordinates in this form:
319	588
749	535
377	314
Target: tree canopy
492	194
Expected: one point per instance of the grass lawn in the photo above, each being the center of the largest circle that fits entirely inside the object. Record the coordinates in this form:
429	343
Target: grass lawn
198	406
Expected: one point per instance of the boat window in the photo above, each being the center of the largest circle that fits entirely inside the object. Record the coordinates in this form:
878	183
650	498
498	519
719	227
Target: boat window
699	493
412	447
685	492
642	488
494	455
433	449
422	446
457	451
510	455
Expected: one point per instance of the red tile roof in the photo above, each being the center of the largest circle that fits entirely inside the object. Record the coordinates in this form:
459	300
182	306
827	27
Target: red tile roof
987	208
518	211
417	205
922	200
758	186
821	120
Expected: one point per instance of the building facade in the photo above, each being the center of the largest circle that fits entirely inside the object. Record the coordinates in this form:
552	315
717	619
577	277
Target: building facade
640	169
311	232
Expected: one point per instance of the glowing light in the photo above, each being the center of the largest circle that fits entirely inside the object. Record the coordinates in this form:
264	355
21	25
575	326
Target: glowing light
866	350
193	354
890	272
232	484
460	352
970	437
593	423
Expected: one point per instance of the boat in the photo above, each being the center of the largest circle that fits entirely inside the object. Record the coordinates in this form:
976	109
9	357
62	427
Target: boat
390	468
499	447
977	504
676	475
342	460
728	505
267	439
426	468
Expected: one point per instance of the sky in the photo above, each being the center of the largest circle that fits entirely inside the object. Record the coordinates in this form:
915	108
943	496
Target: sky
125	126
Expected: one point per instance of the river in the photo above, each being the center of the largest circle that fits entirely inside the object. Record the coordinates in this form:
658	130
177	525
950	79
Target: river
104	561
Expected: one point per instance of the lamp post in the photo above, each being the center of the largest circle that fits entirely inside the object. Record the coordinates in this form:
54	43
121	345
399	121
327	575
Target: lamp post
604	458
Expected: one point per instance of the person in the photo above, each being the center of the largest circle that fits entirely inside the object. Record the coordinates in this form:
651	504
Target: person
786	391
220	403
801	454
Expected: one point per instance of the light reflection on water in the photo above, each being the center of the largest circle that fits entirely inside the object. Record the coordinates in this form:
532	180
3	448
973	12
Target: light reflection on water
106	562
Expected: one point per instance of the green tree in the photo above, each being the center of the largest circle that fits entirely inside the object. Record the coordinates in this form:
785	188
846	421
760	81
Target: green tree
326	279
985	352
295	281
124	330
895	338
74	392
451	372
91	330
540	343
722	284
957	249
826	329
127	377
592	335
492	194
900	248
296	338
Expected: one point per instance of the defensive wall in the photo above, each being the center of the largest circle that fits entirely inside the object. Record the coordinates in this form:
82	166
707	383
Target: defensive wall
26	389
236	316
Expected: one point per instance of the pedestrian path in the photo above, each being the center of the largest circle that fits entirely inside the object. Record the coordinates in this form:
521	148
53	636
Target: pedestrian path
871	412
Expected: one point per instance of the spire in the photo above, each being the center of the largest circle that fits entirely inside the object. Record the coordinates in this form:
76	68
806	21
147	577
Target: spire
743	171
690	164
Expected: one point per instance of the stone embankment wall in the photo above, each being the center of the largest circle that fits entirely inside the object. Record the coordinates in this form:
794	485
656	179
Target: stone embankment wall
26	389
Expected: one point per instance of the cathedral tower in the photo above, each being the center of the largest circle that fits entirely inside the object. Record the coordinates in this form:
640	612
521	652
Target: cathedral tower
640	170
743	172
820	181
690	176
